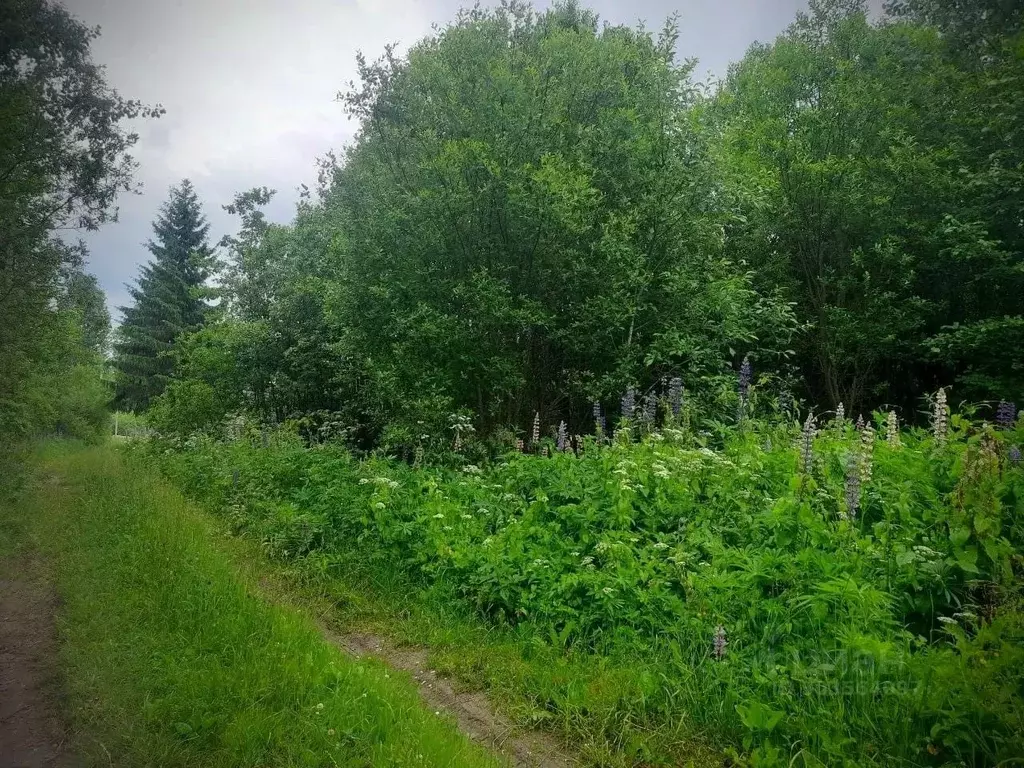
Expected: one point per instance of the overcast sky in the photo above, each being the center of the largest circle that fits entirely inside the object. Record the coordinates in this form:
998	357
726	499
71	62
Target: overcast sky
249	88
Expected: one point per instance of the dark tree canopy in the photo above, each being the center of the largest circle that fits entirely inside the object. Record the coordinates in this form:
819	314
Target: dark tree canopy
168	299
64	157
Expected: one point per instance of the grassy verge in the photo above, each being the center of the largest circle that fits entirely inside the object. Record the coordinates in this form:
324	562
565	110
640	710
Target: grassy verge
171	661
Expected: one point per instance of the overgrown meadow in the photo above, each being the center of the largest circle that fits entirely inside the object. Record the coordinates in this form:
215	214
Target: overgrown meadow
800	590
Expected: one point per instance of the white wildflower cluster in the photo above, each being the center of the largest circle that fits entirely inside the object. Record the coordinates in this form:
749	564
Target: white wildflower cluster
625	469
892	430
940	417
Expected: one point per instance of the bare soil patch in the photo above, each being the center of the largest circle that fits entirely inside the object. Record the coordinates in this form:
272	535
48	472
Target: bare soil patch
473	711
32	733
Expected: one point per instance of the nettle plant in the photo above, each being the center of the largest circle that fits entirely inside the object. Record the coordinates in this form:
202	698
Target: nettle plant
848	593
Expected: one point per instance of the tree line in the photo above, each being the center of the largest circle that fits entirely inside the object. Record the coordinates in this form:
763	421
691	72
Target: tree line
64	157
540	212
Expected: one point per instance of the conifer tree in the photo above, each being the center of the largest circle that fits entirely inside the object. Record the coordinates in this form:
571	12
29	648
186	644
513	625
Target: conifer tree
168	299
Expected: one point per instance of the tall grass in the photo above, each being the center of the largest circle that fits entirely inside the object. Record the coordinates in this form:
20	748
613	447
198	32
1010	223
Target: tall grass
171	661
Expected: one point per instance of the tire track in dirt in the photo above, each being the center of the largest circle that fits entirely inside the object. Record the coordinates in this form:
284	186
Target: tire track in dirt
473	711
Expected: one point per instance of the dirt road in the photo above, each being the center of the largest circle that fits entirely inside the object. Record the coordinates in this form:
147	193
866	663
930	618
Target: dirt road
32	734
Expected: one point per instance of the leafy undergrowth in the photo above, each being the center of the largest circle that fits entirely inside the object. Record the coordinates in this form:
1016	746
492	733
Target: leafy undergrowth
170	661
832	599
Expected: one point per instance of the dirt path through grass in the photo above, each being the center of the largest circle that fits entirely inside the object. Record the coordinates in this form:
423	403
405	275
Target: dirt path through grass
473	711
32	734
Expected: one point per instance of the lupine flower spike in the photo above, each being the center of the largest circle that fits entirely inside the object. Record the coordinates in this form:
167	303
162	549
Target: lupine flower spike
743	384
562	440
853	483
867	447
720	642
675	396
536	428
860	422
940	422
840	415
892	429
520	446
1014	455
628	403
1006	414
650	413
599	423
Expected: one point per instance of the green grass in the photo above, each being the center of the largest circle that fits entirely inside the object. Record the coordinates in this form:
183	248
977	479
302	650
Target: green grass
169	658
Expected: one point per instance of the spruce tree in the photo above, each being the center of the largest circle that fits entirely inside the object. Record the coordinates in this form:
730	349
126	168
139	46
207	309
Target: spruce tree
168	300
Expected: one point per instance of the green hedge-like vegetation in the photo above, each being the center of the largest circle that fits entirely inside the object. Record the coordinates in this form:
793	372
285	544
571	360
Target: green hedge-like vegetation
838	595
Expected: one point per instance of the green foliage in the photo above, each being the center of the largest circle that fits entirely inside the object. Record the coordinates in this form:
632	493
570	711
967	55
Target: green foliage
524	223
63	159
169	300
851	638
866	157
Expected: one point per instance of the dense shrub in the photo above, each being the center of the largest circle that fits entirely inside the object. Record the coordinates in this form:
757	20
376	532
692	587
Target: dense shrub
842	596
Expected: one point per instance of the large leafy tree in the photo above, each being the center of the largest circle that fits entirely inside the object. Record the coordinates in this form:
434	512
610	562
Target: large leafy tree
531	223
848	151
169	299
64	156
982	269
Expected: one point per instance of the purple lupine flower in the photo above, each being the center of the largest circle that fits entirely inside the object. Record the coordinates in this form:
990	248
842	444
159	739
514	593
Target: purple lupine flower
675	396
562	441
1014	454
807	445
1006	414
650	413
628	403
536	428
719	642
743	384
599	422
